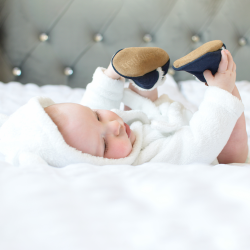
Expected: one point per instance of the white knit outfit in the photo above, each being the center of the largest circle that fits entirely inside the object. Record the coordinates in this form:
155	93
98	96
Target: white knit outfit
165	131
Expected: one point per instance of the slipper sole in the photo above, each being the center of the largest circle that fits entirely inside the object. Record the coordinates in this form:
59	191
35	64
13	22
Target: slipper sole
138	61
199	52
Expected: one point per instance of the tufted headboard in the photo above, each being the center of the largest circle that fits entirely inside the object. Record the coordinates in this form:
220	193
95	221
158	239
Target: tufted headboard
63	41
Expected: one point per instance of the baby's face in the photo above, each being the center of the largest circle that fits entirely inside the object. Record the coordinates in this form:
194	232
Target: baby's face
96	132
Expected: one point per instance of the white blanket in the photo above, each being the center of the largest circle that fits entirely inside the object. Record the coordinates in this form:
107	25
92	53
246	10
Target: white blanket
151	206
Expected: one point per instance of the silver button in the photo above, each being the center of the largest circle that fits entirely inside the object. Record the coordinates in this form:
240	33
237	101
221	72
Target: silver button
16	71
43	37
242	41
196	38
171	71
68	71
147	38
98	37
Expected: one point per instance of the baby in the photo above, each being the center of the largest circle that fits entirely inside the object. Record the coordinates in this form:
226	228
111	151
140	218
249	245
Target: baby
154	130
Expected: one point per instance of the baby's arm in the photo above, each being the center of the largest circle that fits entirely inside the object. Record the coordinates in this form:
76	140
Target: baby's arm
104	92
150	94
236	149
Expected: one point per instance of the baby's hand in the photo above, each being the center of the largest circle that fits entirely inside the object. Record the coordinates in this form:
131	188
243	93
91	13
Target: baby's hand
226	74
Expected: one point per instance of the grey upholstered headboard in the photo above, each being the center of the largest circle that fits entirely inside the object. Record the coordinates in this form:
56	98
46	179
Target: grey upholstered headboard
63	41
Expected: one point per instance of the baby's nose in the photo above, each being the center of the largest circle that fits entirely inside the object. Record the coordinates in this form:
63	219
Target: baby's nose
115	127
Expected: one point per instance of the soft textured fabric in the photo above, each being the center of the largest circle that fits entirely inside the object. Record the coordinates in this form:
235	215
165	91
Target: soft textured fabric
165	131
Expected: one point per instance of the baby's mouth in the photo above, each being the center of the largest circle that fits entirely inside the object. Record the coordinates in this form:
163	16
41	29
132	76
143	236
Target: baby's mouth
128	131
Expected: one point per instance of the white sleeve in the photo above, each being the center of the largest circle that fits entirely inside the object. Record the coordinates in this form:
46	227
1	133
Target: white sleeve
103	92
209	129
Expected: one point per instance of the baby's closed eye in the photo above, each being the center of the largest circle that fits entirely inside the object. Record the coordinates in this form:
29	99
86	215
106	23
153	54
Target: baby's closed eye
104	141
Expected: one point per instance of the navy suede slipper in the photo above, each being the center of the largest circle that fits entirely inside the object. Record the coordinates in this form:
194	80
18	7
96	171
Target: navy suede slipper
145	67
207	56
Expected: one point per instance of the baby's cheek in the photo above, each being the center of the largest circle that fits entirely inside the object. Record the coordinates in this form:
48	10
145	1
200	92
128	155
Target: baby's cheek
119	149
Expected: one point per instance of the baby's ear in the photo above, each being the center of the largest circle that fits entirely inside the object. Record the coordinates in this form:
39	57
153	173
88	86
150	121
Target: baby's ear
3	119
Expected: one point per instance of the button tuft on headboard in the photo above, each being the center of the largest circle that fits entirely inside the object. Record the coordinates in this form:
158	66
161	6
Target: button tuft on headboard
171	71
16	71
68	71
196	38
147	38
98	37
242	41
43	37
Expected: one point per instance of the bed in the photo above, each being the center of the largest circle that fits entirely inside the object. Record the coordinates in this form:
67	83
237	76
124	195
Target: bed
151	206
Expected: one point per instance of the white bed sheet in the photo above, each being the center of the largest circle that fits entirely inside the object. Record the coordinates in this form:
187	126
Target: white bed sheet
151	206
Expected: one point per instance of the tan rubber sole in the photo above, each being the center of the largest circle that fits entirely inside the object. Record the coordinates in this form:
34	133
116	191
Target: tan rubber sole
202	50
137	61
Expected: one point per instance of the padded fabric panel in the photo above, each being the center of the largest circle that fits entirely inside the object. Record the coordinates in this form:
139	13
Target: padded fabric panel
72	25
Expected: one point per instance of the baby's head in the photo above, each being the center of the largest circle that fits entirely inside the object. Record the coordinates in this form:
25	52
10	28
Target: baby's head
96	132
